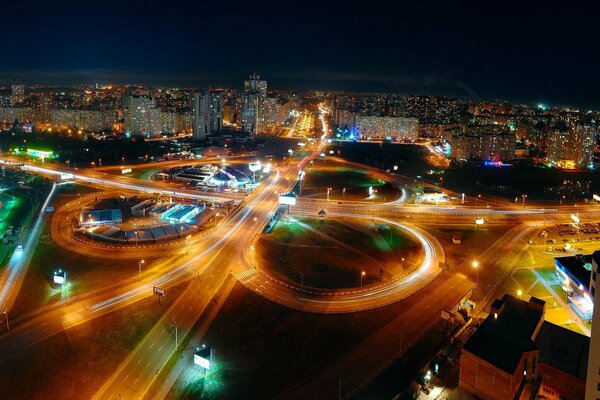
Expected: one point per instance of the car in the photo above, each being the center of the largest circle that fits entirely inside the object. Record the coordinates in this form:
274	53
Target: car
20	246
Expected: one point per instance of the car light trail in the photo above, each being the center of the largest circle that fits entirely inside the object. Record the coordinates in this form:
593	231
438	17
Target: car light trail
20	259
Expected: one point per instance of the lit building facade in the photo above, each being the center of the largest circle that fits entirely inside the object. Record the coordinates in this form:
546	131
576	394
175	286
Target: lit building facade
140	113
18	93
391	128
573	148
88	120
253	97
208	114
489	146
592	387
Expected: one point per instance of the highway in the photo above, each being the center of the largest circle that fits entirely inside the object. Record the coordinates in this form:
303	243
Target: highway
369	358
352	300
224	252
120	182
16	269
134	377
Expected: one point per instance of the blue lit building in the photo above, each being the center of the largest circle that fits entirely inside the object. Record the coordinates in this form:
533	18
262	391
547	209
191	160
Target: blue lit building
576	275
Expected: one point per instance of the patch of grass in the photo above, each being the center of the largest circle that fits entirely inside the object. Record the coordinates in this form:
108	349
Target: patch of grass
548	273
74	364
399	375
264	349
539	291
557	287
84	274
356	182
525	277
294	253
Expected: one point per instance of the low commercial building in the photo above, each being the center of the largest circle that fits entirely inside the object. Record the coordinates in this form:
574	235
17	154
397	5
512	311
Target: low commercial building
577	278
92	218
516	352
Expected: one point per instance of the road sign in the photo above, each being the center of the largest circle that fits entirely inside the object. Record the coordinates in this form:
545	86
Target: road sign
158	291
203	356
287	199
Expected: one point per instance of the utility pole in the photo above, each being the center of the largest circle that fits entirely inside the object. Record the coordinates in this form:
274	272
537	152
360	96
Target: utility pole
5	312
175	326
140	262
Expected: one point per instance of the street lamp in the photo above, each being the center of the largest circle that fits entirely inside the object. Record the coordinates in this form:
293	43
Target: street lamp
328	190
475	265
519	293
373	196
5	312
175	326
362	275
402	263
140	268
524	196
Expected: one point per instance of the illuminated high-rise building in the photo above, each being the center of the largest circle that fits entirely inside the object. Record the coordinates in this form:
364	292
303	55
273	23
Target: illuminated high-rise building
571	148
18	93
140	112
208	114
254	84
592	384
253	97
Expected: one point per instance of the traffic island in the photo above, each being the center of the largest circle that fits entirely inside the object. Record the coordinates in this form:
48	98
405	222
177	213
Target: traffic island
346	184
327	255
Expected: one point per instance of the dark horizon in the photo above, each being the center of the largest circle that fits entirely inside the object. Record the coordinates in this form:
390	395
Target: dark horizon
521	53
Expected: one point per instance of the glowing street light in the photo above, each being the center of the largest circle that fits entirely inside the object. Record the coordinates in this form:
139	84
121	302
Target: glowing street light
519	293
475	265
362	275
140	268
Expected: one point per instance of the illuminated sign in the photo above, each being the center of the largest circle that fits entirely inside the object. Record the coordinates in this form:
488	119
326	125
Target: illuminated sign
66	176
596	197
287	199
255	166
40	153
126	171
60	277
202	357
479	221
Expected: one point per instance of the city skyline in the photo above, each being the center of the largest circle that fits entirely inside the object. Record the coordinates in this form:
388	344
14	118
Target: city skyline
512	53
299	200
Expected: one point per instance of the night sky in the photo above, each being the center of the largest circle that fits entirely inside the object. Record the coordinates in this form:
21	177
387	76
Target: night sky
535	53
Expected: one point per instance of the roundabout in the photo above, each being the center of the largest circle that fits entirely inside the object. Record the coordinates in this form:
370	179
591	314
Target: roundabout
375	295
135	241
331	254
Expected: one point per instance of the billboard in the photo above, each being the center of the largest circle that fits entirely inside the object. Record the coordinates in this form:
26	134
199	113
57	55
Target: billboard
202	357
255	166
287	199
40	153
60	277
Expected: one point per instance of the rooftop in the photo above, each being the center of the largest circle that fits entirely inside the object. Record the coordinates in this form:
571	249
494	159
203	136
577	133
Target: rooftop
563	349
502	341
577	266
